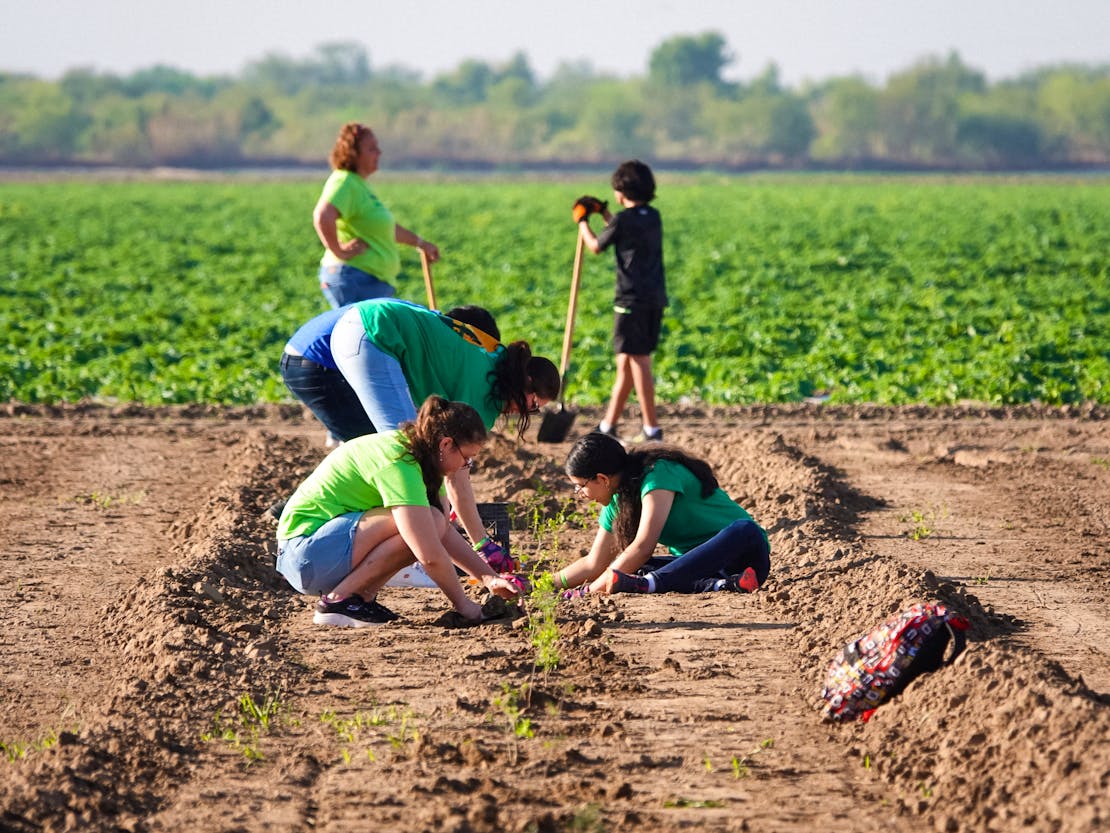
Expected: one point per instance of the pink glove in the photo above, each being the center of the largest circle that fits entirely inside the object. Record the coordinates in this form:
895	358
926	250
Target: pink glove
496	557
579	592
519	582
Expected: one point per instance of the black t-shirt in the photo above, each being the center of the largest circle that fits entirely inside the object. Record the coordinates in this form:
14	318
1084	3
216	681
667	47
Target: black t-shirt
636	234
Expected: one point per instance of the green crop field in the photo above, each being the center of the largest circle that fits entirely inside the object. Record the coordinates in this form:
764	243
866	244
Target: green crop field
885	290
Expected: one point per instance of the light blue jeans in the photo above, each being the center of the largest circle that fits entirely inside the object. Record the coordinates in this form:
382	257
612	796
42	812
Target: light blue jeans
376	377
343	284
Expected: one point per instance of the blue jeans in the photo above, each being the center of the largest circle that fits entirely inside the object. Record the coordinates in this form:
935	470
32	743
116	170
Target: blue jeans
376	377
343	284
738	546
326	393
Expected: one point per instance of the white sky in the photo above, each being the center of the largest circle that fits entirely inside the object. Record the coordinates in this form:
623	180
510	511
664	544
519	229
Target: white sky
807	39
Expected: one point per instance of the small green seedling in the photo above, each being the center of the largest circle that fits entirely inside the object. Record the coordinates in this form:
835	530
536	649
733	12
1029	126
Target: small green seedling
924	522
510	705
244	731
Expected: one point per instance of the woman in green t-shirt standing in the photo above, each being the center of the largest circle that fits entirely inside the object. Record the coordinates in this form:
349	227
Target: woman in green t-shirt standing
373	507
661	495
359	233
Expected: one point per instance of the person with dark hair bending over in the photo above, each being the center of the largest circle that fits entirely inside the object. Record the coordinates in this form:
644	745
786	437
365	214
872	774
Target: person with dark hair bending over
660	495
372	507
359	233
312	376
394	354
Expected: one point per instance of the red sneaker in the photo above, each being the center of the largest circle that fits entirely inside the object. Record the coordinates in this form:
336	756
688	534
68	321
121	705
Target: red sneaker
618	582
745	582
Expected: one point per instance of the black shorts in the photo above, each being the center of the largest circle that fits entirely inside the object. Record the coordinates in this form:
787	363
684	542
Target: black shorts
636	332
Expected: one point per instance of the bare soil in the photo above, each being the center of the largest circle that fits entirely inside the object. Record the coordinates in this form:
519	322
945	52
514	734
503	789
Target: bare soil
141	618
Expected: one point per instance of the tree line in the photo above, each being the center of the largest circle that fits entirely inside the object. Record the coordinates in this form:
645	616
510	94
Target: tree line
938	113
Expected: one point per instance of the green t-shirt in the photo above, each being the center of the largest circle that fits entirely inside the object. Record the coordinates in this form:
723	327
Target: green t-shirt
435	358
693	520
367	472
364	216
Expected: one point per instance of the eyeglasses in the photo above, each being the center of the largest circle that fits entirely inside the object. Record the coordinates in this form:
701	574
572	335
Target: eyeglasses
580	488
468	462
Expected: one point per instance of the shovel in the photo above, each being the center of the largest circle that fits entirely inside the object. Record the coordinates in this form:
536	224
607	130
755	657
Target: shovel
428	279
557	422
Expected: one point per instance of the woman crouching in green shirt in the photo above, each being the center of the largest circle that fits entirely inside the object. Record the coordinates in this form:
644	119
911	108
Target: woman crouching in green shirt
373	506
661	495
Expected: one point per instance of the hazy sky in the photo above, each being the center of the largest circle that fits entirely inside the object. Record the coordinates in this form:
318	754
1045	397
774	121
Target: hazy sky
807	39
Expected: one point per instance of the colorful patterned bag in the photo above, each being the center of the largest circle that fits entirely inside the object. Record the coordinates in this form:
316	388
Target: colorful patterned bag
878	665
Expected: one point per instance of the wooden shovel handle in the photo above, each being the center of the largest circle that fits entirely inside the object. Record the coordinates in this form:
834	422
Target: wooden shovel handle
428	279
572	307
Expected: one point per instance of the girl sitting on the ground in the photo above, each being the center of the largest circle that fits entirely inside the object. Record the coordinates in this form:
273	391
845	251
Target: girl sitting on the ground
660	495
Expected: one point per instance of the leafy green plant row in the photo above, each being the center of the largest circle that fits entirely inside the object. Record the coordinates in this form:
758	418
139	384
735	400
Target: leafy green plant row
875	290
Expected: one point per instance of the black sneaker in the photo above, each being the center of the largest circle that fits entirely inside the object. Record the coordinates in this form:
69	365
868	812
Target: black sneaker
612	432
655	436
351	612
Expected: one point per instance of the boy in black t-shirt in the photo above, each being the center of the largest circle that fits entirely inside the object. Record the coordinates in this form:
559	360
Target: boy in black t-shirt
636	236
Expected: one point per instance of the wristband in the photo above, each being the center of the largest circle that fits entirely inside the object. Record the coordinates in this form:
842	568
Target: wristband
563	578
478	547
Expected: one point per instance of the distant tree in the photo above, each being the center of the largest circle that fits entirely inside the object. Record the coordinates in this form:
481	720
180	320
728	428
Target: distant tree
340	62
1073	104
920	109
38	121
689	59
846	120
518	69
176	82
998	140
86	86
763	128
467	84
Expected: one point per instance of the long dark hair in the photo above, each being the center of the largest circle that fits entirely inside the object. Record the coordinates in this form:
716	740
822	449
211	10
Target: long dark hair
598	453
439	418
518	373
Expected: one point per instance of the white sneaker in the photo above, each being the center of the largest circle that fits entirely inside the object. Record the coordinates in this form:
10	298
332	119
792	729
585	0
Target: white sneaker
411	576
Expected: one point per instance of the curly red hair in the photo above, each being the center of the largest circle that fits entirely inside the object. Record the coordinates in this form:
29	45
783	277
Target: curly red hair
344	155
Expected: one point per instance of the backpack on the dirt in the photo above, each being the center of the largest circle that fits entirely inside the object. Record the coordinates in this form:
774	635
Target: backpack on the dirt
878	665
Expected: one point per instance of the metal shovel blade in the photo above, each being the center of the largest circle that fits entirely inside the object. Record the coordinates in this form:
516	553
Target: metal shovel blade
556	424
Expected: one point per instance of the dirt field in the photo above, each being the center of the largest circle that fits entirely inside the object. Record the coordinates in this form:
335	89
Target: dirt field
141	621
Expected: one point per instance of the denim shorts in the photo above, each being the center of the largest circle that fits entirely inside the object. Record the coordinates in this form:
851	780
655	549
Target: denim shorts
343	284
315	563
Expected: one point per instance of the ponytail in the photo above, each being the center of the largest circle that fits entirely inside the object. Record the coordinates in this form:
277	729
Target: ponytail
439	418
518	373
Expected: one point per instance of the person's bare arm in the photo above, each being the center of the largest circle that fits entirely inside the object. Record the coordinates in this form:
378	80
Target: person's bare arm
408	237
324	217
